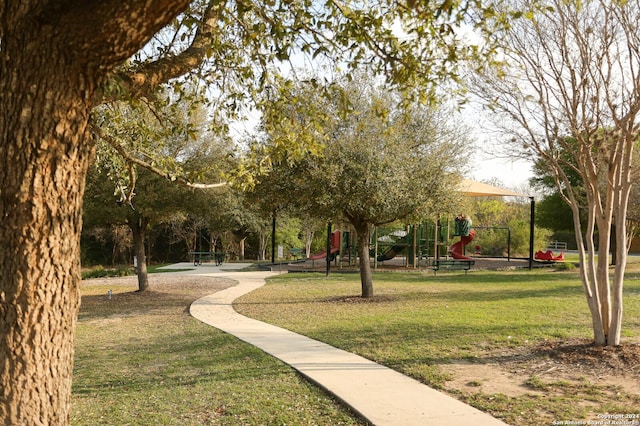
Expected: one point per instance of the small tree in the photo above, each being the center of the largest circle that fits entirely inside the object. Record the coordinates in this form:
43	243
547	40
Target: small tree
157	201
380	162
173	136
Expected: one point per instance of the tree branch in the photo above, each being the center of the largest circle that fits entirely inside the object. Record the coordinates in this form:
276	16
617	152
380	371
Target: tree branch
115	29
143	81
160	172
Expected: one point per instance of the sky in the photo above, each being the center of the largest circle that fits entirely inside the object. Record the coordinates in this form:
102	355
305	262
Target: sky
512	173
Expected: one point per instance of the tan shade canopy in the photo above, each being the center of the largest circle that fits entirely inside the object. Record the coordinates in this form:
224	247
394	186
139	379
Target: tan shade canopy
479	189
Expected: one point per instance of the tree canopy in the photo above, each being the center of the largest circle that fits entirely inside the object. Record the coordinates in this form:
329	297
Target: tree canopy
379	162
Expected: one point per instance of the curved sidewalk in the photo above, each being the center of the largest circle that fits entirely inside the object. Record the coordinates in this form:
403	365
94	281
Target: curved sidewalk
377	393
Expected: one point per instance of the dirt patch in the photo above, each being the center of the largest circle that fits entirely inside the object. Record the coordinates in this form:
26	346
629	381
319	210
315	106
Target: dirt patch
486	378
359	299
114	299
614	360
571	361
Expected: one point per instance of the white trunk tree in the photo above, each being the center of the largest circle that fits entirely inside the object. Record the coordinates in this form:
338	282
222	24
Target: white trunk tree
568	94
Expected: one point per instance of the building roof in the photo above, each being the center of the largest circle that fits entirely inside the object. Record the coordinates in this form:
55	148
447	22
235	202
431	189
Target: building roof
479	189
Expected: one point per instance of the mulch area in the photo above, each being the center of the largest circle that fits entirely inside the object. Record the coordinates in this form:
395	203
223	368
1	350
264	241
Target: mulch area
583	354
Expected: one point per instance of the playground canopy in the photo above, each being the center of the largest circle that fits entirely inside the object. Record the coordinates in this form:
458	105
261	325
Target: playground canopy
479	189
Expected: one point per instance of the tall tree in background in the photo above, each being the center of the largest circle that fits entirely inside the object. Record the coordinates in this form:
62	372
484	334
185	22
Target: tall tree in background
170	140
552	211
58	60
569	95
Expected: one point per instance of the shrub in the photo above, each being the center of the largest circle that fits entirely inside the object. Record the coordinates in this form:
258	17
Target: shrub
565	266
494	242
100	272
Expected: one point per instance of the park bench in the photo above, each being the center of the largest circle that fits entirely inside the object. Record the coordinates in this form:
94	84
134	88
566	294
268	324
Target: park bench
453	264
203	256
296	253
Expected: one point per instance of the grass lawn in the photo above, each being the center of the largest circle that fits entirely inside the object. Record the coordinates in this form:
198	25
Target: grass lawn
141	359
419	323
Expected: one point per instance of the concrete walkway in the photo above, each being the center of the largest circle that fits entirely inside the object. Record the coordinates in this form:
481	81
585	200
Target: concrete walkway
378	394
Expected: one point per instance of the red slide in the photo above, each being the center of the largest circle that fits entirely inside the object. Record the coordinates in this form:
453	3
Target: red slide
323	254
548	256
457	249
336	239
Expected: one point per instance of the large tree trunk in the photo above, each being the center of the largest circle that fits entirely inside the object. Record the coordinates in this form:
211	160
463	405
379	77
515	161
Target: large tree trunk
53	56
366	280
44	157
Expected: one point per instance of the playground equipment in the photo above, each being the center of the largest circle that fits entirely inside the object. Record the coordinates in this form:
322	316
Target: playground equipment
336	240
548	256
423	243
457	249
435	240
410	241
463	229
398	247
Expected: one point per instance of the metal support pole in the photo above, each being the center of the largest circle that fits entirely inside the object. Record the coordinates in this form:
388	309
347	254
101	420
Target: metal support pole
415	246
436	251
531	231
328	258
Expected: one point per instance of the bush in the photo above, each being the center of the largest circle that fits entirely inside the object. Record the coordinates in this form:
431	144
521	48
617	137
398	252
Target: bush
100	272
494	242
565	266
567	236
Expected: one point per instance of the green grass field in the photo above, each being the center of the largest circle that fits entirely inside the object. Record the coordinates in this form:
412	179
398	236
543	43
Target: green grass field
141	359
417	324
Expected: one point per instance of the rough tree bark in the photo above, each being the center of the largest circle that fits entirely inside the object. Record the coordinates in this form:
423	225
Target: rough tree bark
53	57
44	157
363	231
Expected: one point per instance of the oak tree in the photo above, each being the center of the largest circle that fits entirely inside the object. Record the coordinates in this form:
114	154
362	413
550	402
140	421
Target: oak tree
54	58
380	161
